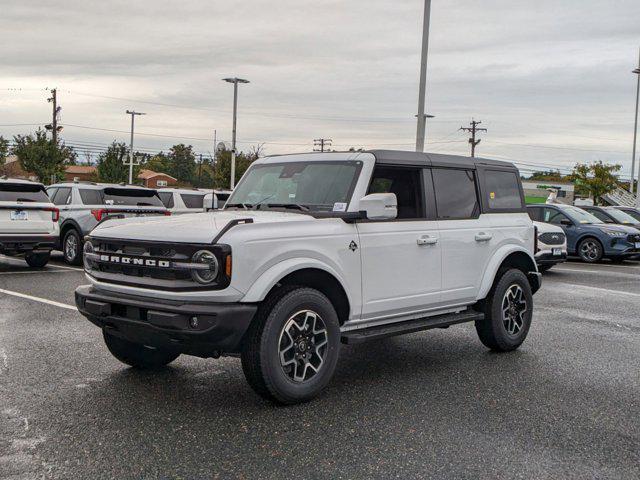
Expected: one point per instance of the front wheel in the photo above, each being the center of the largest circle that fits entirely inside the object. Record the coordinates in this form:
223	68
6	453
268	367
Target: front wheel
291	348
508	310
37	260
590	250
137	355
72	247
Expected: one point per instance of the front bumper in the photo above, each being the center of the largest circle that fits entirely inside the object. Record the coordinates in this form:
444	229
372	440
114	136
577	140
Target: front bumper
550	259
168	324
27	243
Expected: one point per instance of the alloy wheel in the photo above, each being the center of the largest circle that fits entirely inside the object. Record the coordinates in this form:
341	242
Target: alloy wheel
303	345
589	250
71	247
514	308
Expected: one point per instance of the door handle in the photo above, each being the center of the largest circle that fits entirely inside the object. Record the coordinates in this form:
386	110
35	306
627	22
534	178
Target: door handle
427	240
483	237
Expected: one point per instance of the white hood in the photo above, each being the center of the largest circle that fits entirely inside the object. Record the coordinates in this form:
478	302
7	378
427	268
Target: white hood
189	228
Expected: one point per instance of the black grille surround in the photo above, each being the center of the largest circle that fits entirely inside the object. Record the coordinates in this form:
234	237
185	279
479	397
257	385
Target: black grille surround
633	238
153	265
552	238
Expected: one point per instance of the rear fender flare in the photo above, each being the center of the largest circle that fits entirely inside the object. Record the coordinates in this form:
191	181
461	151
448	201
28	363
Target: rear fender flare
494	265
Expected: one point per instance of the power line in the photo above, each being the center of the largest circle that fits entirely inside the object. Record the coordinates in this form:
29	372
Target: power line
319	144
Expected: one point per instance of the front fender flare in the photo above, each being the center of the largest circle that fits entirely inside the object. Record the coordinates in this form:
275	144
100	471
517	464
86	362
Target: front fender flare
494	264
268	279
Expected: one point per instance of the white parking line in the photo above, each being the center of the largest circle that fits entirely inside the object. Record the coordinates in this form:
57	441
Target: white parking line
574	286
600	272
38	299
34	271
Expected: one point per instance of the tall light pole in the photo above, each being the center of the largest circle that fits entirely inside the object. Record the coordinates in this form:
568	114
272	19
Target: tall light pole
133	114
635	136
235	81
422	120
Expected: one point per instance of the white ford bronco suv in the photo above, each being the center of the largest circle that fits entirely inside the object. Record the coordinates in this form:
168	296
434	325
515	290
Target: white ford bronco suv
312	250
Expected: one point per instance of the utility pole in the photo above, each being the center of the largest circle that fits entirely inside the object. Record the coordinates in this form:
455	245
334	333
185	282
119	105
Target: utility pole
199	171
133	114
319	144
422	119
473	129
53	126
635	136
213	160
235	82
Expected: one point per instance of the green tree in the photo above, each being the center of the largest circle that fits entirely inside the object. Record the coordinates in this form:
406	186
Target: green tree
595	179
41	156
222	169
549	176
111	164
4	150
182	163
158	163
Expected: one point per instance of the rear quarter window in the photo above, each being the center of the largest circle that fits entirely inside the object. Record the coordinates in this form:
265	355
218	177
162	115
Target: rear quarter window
502	191
192	200
22	192
167	198
91	197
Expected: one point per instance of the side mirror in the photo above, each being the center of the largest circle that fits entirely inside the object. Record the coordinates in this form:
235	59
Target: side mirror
380	206
566	222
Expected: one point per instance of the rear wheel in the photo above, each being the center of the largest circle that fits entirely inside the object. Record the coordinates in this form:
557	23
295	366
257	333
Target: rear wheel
590	250
508	310
72	247
137	355
37	260
291	349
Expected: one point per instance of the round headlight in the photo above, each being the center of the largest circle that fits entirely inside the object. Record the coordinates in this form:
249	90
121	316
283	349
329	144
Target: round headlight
208	260
88	248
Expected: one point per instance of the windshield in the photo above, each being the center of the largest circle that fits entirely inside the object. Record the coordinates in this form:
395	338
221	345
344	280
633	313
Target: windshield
22	192
132	197
620	216
314	186
580	216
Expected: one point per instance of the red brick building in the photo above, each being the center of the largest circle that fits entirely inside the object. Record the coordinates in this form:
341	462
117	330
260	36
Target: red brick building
80	173
153	179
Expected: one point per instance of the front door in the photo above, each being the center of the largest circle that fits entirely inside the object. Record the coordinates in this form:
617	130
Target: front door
401	258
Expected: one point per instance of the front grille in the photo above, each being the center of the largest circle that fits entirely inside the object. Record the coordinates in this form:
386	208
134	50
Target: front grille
551	238
150	264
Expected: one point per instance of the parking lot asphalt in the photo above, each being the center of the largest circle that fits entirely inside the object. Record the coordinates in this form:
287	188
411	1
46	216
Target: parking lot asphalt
435	404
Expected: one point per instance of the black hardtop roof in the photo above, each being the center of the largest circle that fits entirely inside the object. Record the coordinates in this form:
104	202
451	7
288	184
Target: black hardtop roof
408	158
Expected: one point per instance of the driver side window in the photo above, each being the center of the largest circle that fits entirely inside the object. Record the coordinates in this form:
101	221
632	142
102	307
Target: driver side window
554	216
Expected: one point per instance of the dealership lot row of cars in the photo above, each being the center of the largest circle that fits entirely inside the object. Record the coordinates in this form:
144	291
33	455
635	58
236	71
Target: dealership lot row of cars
35	220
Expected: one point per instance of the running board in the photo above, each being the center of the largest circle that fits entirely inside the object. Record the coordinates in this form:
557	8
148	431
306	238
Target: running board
391	330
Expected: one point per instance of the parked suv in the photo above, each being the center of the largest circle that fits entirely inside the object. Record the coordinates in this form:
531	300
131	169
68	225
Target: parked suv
182	200
613	215
84	205
28	221
587	236
552	246
316	249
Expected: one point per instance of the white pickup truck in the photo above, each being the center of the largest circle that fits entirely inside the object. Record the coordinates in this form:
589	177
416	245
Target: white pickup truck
312	250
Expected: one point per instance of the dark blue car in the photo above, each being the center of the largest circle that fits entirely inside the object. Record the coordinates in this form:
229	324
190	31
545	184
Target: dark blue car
587	236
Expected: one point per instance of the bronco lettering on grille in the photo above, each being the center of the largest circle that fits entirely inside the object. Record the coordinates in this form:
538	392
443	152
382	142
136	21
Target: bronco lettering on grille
135	261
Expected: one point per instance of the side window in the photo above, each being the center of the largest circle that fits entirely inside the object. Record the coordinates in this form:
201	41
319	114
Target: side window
502	190
51	192
534	213
405	183
192	200
456	195
554	216
62	196
599	215
167	199
90	197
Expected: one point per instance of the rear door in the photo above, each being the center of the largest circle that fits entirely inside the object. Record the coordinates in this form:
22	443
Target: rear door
24	209
467	237
401	258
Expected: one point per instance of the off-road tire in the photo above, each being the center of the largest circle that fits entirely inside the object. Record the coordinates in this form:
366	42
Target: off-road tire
37	260
492	329
598	252
137	355
72	235
261	349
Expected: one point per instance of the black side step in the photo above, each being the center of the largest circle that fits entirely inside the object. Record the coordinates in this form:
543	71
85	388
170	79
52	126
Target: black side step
400	328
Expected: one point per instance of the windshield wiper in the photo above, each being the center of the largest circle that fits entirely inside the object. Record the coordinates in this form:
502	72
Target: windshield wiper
24	200
246	206
304	208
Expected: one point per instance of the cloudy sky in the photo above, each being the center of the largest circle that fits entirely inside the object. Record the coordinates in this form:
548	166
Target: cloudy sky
550	80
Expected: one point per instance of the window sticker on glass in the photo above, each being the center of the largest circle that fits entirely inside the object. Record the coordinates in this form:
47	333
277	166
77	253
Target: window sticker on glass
492	195
292	195
108	202
339	207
